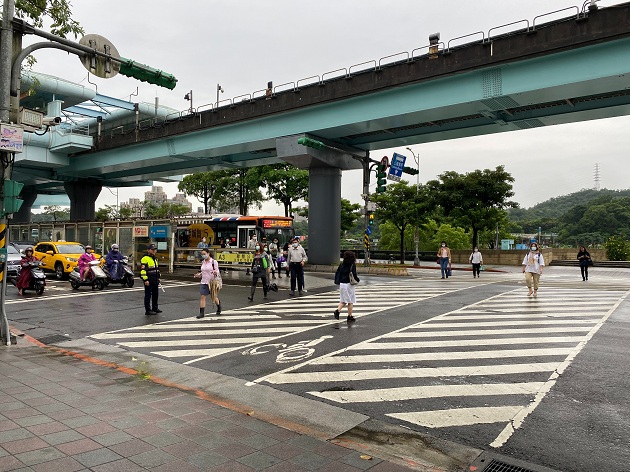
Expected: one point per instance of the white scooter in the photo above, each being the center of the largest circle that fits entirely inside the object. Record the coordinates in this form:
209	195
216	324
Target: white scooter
95	277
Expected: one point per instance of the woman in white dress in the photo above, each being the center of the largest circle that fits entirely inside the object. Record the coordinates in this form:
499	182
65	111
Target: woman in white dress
346	289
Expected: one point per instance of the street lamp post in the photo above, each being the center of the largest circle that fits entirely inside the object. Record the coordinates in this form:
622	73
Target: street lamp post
219	89
416	260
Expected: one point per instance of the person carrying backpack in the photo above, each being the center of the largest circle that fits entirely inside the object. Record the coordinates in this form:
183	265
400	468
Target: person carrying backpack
533	264
259	271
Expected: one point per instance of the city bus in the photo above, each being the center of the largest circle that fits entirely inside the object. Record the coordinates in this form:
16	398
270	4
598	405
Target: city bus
234	231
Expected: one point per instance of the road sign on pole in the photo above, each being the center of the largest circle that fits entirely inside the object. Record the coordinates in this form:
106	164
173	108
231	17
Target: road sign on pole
397	166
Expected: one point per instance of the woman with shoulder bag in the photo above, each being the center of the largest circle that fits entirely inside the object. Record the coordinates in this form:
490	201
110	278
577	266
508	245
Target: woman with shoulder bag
210	282
259	271
347	295
585	260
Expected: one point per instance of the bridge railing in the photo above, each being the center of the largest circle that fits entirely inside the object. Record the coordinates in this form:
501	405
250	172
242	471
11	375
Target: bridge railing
577	15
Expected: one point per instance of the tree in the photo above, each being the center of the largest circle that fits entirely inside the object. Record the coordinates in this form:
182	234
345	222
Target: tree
165	210
58	11
57	212
476	200
103	214
350	213
284	183
402	205
239	187
617	248
202	186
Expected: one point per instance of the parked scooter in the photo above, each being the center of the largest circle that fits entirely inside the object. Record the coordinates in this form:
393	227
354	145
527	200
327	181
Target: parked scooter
95	277
38	277
121	273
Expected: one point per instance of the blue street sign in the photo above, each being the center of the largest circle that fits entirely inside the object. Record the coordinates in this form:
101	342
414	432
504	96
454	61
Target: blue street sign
396	167
368	231
158	231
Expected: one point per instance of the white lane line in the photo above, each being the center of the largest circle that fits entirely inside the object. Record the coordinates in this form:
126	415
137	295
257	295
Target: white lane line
479	324
459	416
488	332
517	420
525	316
441	356
227	323
429	391
422	372
465	342
194	352
195	342
209	332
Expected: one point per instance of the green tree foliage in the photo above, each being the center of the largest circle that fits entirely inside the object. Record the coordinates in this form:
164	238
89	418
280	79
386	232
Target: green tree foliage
455	237
284	183
165	210
58	213
202	186
617	249
350	213
110	213
402	205
57	11
476	200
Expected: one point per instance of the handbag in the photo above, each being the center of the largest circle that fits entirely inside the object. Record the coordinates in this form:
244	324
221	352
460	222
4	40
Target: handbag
438	261
353	281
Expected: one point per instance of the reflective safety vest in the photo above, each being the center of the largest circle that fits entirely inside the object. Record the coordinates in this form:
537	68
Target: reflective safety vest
149	269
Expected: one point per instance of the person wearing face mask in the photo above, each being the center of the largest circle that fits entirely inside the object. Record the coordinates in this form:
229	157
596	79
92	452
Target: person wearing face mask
112	261
210	282
84	261
259	271
253	242
476	259
273	250
533	264
444	259
296	258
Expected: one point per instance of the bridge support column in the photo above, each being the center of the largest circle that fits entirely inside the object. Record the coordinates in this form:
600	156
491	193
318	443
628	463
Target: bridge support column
24	215
324	215
83	195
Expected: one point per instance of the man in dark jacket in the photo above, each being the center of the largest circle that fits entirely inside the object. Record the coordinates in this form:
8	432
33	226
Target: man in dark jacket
112	260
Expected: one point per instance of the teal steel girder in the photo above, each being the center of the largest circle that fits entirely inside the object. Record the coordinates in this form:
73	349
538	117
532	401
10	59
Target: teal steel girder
466	104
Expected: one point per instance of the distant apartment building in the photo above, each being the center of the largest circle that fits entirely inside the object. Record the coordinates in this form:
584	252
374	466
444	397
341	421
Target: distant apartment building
156	195
135	205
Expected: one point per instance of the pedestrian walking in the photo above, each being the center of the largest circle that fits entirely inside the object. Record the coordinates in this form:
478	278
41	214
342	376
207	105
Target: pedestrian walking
347	296
253	241
533	264
259	271
585	260
210	282
273	250
269	258
476	259
150	275
444	259
285	255
296	259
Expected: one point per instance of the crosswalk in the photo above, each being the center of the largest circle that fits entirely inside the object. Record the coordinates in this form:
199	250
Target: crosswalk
488	363
190	340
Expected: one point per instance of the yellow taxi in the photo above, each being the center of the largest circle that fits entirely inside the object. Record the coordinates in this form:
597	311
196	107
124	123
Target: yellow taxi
60	257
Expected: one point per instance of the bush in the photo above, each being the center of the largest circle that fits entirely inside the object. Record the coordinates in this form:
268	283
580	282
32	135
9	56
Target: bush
617	248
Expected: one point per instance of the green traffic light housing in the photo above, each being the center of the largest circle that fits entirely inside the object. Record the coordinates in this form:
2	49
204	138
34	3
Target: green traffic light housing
12	203
410	170
148	74
309	142
381	178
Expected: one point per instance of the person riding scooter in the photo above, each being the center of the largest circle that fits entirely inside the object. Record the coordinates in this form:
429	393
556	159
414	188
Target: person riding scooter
84	262
24	279
112	260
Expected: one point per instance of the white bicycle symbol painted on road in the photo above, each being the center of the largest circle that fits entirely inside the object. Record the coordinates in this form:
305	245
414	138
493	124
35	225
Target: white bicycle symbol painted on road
295	352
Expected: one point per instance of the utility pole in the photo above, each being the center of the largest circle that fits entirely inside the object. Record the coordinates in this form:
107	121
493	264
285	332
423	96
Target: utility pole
416	237
366	206
6	158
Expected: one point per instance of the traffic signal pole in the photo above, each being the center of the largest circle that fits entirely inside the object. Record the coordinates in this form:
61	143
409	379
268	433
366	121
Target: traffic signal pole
366	198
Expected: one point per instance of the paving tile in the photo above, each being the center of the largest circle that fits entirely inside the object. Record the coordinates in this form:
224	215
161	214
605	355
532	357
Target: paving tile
144	430
231	467
33	420
217	424
282	434
132	447
95	429
309	460
17	390
11	405
52	407
62	437
335	466
154	416
39	455
389	467
184	449
109	439
284	451
196	417
127	422
178	465
14	435
238	432
121	465
80	421
10	463
207	459
66	414
97	408
64	464
258	441
190	432
152	458
330	450
285	467
24	445
234	450
47	428
259	460
21	412
97	457
162	439
306	442
171	423
78	447
212	440
7	425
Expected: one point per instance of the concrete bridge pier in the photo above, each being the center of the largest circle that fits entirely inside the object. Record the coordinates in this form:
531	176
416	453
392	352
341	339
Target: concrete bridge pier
24	215
324	193
83	195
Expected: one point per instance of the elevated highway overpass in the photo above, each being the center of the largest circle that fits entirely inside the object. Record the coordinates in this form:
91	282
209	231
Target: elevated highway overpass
529	74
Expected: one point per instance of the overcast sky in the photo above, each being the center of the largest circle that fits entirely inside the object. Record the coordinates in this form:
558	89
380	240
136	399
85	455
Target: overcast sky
243	44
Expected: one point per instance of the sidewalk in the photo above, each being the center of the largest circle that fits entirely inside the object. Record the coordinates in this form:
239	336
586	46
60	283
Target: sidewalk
64	411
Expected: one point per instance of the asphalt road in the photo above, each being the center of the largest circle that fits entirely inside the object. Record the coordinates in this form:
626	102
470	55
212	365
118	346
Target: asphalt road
474	361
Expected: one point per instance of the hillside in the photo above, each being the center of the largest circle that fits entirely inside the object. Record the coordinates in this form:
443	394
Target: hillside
558	206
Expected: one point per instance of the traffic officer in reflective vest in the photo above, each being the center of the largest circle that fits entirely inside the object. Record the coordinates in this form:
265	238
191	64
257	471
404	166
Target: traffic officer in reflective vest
150	275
